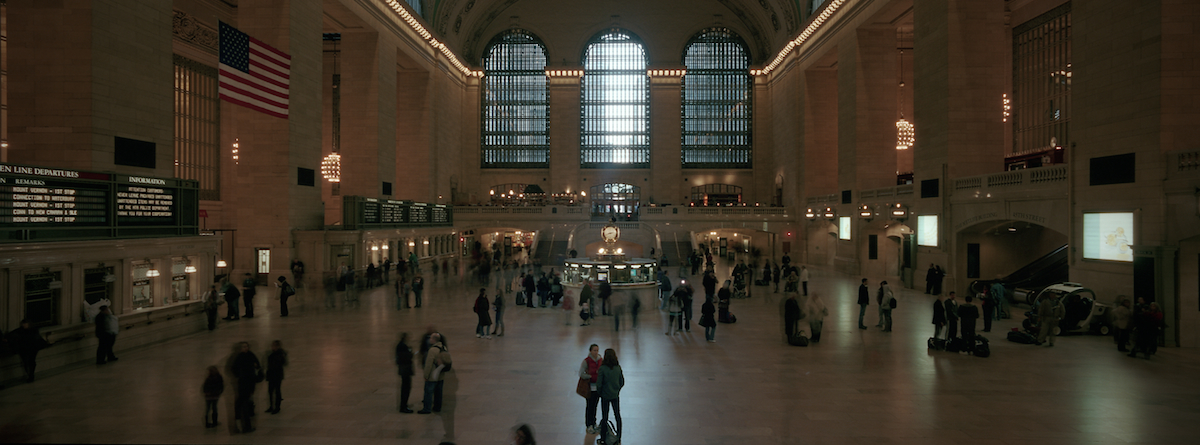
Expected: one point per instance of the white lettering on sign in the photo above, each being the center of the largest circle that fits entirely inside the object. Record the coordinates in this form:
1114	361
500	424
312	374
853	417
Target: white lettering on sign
141	180
38	171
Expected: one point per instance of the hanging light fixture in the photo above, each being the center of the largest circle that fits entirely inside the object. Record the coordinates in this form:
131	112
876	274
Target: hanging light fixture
235	151
905	132
151	272
331	168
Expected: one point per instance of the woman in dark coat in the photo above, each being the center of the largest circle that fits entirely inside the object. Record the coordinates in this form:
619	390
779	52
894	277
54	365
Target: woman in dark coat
939	317
276	360
482	307
246	370
404	365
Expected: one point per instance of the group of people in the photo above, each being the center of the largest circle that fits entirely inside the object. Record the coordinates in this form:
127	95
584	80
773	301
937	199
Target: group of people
948	314
246	372
813	311
885	298
437	370
1142	322
228	294
600	382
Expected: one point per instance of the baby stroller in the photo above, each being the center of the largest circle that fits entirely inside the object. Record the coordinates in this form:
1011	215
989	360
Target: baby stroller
739	286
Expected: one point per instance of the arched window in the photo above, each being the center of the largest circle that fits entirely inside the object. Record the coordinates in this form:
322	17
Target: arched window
516	128
615	103
716	101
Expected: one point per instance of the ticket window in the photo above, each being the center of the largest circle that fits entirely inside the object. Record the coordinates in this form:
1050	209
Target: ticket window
143	286
180	284
262	261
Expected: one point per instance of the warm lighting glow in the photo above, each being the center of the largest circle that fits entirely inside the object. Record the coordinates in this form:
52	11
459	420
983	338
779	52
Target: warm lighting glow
666	73
412	244
601	251
799	40
385	247
152	273
235	151
865	211
712	233
564	73
620	251
221	264
810	214
374	248
1007	104
905	134
582	193
619	266
189	269
492	192
331	168
426	242
417	27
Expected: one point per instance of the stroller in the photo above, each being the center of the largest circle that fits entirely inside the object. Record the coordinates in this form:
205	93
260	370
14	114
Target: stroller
739	289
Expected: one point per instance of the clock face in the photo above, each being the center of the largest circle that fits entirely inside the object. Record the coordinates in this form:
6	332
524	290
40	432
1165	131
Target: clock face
609	233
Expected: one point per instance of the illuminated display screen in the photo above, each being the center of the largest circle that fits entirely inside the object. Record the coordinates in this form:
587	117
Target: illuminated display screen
844	227
1108	236
927	230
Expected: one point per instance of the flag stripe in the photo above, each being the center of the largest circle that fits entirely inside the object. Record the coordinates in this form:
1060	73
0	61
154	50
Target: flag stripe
253	95
283	57
258	66
266	62
242	96
254	107
266	85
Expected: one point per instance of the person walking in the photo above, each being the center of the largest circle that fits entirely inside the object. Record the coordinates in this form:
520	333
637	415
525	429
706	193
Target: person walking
710	284
481	311
212	300
568	307
588	373
107	328
791	316
213	386
249	289
609	381
776	275
27	342
707	319
498	306
951	317
1050	311
864	299
285	291
530	288
231	297
804	278
816	316
404	368
604	293
248	372
436	363
968	312
1121	317
276	360
939	316
989	309
685	304
674	311
664	288
887	303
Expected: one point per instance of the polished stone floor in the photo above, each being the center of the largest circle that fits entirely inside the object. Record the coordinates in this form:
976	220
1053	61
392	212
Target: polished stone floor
855	386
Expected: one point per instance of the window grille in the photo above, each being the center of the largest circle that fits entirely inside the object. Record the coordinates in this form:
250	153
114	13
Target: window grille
717	92
197	126
516	108
615	103
1041	104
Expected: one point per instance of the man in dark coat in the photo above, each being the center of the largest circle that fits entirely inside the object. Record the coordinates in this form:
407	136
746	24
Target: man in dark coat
404	365
248	291
27	341
246	369
605	292
968	312
232	295
791	315
864	299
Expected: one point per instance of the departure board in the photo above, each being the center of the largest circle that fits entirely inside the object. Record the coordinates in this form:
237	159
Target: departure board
367	213
37	197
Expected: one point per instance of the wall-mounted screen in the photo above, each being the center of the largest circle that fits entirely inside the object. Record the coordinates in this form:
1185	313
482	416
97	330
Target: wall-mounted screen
927	230
1108	236
843	227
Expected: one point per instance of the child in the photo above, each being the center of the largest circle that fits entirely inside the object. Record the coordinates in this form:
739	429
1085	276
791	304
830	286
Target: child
585	313
214	385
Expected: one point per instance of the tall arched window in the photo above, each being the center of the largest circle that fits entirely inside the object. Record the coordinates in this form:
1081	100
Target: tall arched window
516	116
716	101
615	103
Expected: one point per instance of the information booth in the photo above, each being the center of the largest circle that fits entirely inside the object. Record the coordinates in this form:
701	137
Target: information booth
629	277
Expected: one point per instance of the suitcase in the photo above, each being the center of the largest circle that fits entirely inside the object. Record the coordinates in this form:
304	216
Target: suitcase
798	339
936	344
954	345
520	298
1024	338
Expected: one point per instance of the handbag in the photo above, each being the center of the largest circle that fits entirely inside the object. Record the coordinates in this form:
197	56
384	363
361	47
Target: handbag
584	388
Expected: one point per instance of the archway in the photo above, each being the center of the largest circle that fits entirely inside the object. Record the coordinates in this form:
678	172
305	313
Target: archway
616	200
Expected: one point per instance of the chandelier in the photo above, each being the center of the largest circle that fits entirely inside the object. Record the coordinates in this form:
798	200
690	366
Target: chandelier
905	132
331	167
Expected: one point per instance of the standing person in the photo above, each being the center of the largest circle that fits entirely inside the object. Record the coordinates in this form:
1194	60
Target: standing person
804	278
989	310
481	311
107	328
710	284
937	280
276	360
930	278
939	316
674	311
605	292
1121	316
1050	311
401	292
414	263
387	268
498	305
436	362
249	289
556	289
708	319
968	312
999	294
723	297
776	275
212	300
543	290
530	288
879	301
686	304
791	284
404	368
27	341
816	316
248	372
664	288
298	272
885	305
589	371
609	381
791	316
864	299
231	297
213	386
371	270
951	316
418	287
285	291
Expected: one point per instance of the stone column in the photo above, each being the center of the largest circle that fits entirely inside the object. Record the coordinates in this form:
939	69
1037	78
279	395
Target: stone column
368	110
867	87
666	162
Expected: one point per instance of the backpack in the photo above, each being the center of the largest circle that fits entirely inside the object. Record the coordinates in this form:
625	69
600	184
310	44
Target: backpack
936	343
288	290
892	302
798	339
954	345
608	434
1021	337
981	346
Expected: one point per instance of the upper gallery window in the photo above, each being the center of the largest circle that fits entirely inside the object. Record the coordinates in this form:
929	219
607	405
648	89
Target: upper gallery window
716	101
615	103
516	127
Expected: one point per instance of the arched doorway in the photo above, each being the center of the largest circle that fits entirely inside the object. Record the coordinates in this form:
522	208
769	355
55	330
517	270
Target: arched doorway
616	200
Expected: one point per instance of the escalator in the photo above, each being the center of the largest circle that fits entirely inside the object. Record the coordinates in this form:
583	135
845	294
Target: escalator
1026	282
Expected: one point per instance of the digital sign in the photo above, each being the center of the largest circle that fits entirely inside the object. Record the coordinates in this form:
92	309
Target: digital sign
1108	236
927	230
367	213
35	202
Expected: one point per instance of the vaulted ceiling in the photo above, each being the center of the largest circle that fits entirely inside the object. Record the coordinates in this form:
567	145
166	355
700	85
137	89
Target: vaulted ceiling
565	26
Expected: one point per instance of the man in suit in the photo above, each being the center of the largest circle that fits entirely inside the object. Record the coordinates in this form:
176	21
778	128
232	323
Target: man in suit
864	299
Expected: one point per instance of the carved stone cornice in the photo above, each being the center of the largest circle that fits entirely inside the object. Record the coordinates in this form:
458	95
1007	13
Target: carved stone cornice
187	29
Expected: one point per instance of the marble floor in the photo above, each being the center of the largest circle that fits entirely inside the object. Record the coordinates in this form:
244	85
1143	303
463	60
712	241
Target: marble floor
856	386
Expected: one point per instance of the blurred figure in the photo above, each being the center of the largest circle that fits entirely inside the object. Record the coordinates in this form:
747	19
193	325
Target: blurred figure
404	367
276	360
107	327
27	341
213	386
523	435
816	316
248	372
1121	317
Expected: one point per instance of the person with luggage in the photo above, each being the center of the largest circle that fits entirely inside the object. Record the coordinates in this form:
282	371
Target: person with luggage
968	312
887	302
816	313
864	299
951	317
589	370
939	317
707	319
609	381
1050	311
791	316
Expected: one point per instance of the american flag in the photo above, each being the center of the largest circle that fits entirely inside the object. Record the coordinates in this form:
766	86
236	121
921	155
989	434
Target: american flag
253	74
